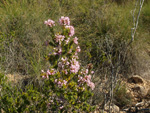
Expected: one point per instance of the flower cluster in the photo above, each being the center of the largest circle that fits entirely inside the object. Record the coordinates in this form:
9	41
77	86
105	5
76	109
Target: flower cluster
74	68
73	65
75	40
59	38
60	83
64	21
86	79
67	65
71	30
50	23
48	73
57	50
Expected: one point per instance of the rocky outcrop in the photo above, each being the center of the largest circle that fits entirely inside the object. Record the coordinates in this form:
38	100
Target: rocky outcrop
139	88
139	91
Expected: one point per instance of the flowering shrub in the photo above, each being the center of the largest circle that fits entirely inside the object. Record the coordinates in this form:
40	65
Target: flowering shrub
67	84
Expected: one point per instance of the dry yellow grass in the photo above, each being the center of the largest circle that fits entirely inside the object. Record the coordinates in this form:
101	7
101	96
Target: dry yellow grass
14	78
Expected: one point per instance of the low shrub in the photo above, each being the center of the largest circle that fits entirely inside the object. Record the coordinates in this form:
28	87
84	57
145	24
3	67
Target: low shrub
121	97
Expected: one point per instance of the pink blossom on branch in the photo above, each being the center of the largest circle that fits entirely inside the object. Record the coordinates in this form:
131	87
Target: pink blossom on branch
92	72
86	71
59	38
67	41
78	49
50	23
88	77
64	59
64	21
75	40
92	85
74	68
61	107
60	83
50	72
71	30
59	51
65	71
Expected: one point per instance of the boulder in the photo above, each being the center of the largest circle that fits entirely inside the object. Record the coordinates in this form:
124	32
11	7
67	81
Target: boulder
136	79
140	91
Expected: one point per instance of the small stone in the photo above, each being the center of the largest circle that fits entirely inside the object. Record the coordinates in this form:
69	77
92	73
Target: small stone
140	104
114	108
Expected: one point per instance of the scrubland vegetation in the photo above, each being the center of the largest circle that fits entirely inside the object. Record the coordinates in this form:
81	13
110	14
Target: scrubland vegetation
103	28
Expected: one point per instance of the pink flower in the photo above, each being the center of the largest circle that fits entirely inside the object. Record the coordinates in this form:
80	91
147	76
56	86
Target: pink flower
70	51
74	68
67	63
55	80
88	77
75	57
48	72
92	85
64	21
78	49
61	107
75	40
59	84
64	59
59	38
71	30
66	72
83	88
64	82
59	51
88	82
50	23
54	53
45	76
51	101
86	71
52	72
67	41
92	72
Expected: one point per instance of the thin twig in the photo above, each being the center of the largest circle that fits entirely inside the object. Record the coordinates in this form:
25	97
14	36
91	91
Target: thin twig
135	23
